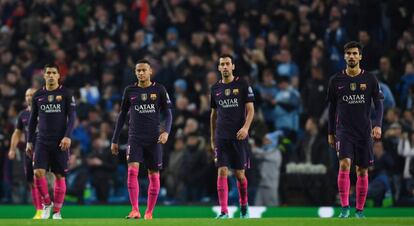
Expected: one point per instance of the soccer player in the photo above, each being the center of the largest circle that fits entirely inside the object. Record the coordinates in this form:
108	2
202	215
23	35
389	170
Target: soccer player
145	101
350	95
232	113
53	114
22	128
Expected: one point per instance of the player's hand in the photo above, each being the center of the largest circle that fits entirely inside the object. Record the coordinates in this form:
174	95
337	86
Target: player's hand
29	149
331	140
242	133
114	149
65	144
12	154
376	133
163	138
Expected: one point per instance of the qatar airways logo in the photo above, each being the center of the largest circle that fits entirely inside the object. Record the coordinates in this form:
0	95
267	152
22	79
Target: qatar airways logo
50	108
229	103
145	108
354	99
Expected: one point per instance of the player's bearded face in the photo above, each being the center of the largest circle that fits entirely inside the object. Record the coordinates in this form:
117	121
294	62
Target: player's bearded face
143	72
226	67
51	75
352	57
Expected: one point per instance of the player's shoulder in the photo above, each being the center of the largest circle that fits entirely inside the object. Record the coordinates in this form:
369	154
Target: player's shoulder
39	92
336	76
65	91
130	87
369	75
216	85
240	81
23	112
158	86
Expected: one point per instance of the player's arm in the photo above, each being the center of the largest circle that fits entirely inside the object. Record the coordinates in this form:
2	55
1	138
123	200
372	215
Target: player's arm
248	96
120	122
332	113
166	108
15	138
244	131
71	116
32	126
378	99
213	119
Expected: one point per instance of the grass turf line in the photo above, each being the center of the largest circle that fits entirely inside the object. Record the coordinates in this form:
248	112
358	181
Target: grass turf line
208	222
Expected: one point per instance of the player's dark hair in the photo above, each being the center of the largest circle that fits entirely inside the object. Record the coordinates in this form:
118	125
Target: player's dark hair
144	61
51	65
353	44
227	55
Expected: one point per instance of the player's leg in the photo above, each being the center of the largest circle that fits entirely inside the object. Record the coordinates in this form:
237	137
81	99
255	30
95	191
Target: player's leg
41	163
153	159
134	157
59	166
240	155
33	189
363	159
222	173
345	150
59	192
153	191
361	190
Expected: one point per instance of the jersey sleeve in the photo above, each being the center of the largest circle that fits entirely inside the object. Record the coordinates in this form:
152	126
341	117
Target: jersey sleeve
249	95
212	101
122	116
70	113
19	124
331	99
377	93
165	99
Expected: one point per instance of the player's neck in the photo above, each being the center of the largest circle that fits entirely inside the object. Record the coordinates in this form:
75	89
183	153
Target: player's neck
51	87
144	84
228	79
353	71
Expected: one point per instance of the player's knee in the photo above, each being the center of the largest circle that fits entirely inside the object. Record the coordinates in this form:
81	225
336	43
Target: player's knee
240	175
345	164
361	171
59	176
223	171
39	173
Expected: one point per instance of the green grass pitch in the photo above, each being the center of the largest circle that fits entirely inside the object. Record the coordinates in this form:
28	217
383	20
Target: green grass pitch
212	222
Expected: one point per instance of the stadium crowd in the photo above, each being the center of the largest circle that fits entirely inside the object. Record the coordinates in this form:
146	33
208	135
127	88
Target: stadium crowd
286	49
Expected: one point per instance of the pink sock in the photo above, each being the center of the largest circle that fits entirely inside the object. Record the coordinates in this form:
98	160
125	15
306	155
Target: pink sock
153	190
36	198
223	193
59	194
343	187
361	191
133	188
242	187
41	184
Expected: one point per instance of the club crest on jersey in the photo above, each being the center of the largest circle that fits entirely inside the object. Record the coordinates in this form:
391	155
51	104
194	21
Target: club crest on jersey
59	98
363	86
153	96
227	92
353	86
144	96
50	98
235	91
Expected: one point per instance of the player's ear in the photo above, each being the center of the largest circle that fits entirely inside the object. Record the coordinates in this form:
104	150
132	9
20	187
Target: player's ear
233	66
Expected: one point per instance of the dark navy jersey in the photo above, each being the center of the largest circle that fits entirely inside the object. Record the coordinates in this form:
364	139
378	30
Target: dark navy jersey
144	106
350	100
230	100
23	122
53	112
